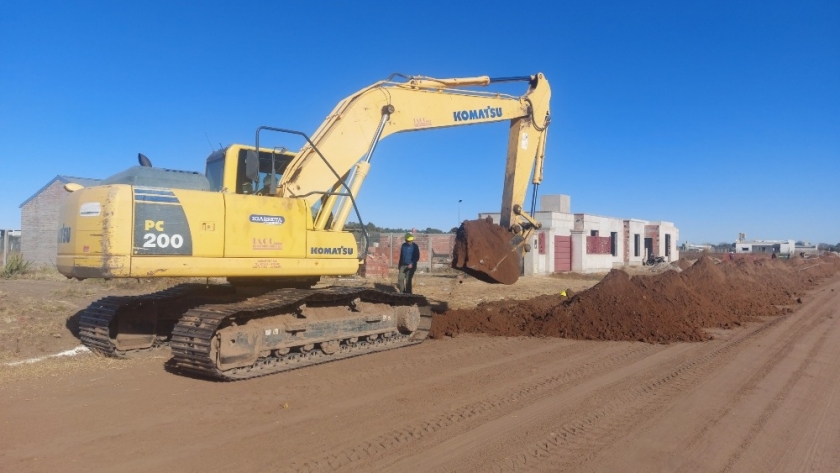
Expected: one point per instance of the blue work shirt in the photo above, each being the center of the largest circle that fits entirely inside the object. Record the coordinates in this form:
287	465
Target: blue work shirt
409	254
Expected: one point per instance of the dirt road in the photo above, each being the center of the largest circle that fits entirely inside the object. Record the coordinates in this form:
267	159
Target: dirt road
763	397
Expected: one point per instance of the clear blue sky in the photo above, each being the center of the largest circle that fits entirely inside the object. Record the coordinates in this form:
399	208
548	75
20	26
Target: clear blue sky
723	117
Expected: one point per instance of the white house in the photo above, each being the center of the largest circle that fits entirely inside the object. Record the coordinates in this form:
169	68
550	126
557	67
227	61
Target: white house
780	247
592	243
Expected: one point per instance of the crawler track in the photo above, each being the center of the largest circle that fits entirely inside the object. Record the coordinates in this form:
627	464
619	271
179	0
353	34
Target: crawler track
192	337
98	325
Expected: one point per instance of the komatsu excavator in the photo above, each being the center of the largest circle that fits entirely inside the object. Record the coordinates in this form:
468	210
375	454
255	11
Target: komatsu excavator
272	222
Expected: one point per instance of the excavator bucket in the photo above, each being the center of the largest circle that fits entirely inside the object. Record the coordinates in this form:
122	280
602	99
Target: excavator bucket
487	252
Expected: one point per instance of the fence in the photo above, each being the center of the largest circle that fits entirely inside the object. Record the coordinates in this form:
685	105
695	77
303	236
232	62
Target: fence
9	243
384	252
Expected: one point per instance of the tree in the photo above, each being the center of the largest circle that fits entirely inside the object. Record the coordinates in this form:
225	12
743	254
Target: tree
370	227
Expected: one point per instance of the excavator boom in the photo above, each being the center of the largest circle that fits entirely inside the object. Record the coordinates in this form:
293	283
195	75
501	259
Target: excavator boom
350	132
340	153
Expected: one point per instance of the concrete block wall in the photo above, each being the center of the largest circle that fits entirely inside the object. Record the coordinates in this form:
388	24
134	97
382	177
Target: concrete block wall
668	228
635	227
39	225
605	226
556	203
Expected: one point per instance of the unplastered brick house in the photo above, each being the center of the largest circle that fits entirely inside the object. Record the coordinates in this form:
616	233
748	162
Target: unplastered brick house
39	220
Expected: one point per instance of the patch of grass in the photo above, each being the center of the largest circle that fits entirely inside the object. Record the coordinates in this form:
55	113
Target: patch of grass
76	291
43	273
15	266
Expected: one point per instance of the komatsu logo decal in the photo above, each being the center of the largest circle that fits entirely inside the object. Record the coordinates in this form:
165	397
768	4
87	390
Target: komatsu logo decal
478	114
332	250
268	219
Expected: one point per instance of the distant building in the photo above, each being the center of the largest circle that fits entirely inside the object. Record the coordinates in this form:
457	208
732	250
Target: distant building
780	247
689	247
9	242
592	243
39	220
804	247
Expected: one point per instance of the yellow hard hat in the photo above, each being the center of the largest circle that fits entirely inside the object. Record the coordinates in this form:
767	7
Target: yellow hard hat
409	237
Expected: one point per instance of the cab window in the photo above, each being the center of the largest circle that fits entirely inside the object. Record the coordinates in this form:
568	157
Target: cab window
214	172
262	184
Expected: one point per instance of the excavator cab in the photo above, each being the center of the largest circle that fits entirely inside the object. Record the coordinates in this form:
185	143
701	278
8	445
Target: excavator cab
248	172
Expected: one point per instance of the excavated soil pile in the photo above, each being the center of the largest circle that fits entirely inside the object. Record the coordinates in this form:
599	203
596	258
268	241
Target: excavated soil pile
484	250
667	307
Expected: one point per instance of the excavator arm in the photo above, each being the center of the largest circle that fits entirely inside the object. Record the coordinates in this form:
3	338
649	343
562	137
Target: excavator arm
339	154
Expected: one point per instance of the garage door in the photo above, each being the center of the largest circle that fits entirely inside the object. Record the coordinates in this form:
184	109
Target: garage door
562	253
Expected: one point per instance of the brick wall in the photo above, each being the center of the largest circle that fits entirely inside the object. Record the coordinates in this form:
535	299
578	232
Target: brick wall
652	231
597	245
435	250
376	266
39	225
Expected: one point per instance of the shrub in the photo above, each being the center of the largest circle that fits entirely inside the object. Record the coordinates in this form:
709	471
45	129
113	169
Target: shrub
15	265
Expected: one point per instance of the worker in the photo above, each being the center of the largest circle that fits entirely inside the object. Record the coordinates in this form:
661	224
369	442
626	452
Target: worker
409	256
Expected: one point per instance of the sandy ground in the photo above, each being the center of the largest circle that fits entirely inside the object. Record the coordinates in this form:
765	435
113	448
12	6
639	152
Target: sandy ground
761	397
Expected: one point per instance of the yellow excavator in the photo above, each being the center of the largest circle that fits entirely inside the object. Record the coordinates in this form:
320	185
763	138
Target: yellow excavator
272	222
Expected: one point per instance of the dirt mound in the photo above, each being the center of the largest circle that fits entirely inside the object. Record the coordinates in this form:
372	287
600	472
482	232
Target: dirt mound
667	307
684	264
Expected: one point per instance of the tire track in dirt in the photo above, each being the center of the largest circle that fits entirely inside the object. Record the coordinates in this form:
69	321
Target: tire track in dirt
357	398
813	455
576	441
581	439
779	350
428	357
771	408
817	407
424	428
433	374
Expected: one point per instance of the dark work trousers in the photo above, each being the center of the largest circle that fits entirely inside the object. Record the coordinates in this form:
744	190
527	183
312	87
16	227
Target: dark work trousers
404	278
